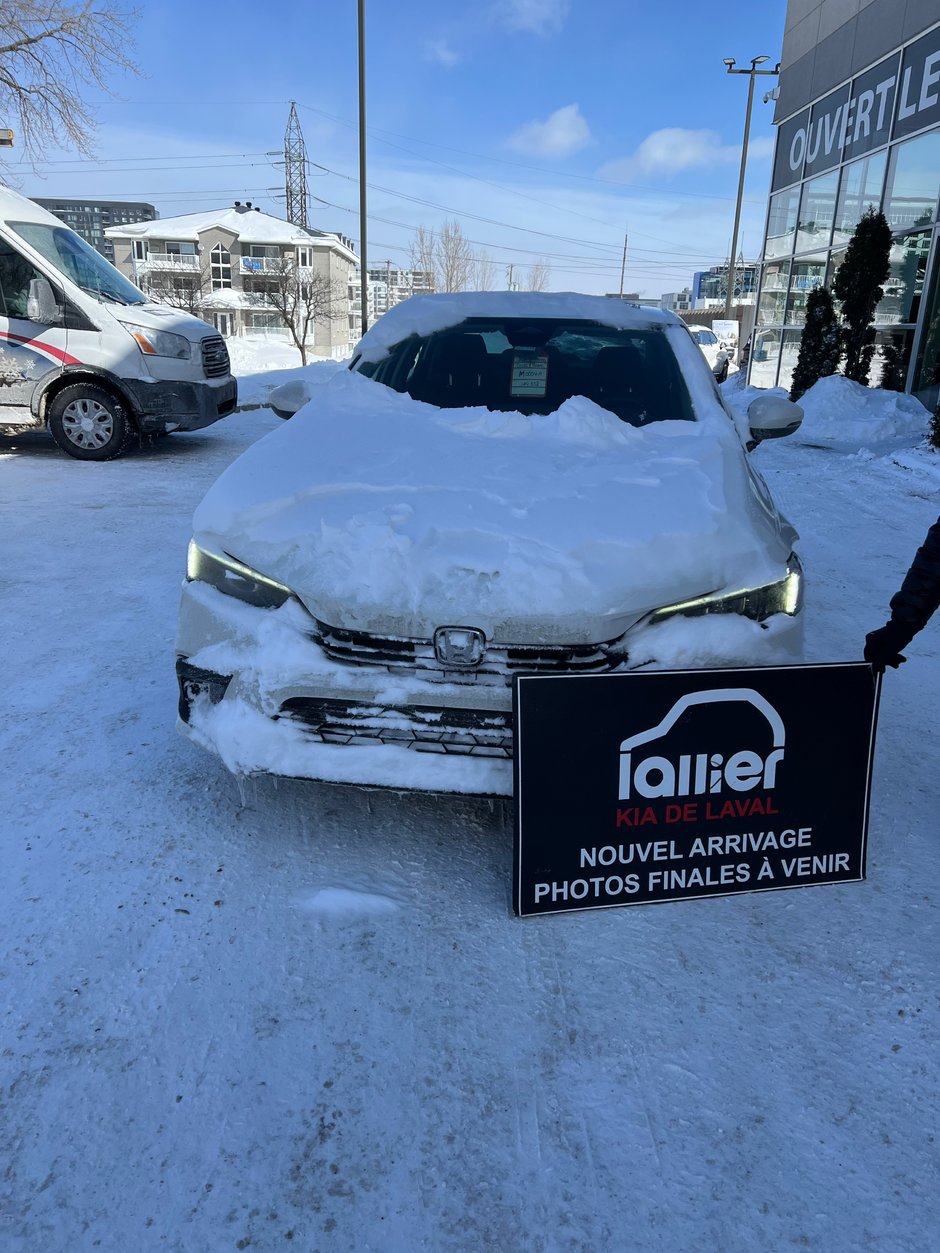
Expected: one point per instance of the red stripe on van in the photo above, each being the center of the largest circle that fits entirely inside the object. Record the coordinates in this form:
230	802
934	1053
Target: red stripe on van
57	353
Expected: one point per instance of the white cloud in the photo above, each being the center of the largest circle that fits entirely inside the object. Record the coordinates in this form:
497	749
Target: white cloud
563	132
538	16
674	149
440	51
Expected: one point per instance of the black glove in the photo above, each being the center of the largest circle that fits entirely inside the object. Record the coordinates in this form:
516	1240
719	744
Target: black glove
883	647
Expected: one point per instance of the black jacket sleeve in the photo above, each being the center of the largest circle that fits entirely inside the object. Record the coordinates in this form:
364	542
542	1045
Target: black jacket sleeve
919	594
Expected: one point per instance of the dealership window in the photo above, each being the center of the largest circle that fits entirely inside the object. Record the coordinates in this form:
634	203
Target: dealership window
913	182
859	191
765	356
805	274
926	383
905	282
817	210
773	297
789	352
221	266
781	224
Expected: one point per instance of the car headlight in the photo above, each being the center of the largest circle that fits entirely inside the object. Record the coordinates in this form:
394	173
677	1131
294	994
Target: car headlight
234	578
758	603
159	343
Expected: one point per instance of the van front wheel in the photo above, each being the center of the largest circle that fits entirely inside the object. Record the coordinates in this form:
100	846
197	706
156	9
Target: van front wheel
88	422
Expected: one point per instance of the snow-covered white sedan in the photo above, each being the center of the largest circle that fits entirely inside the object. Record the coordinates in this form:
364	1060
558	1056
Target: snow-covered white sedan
501	484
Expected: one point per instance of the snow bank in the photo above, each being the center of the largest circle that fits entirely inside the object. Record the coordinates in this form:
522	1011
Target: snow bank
262	364
847	417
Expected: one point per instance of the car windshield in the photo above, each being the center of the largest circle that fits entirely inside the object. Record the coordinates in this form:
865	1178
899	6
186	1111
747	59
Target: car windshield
77	260
703	337
534	365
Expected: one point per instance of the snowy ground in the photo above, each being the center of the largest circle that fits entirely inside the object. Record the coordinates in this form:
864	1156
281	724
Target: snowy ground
282	1015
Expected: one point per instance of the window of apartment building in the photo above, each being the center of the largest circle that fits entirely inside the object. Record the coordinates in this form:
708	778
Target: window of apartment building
140	249
220	266
266	323
179	248
305	258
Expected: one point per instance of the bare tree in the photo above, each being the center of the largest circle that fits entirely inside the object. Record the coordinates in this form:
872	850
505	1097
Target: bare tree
538	276
302	299
421	251
182	289
50	51
454	258
484	272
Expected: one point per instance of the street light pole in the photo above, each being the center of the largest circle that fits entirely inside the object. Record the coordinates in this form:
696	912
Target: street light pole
363	228
751	73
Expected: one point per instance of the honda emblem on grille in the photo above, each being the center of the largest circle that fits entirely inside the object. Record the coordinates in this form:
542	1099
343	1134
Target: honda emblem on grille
459	647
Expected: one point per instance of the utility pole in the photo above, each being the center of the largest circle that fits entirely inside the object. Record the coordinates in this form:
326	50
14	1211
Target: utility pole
363	223
623	264
510	285
295	170
751	73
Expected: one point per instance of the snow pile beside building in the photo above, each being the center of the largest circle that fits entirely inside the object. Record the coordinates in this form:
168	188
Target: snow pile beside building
843	415
847	417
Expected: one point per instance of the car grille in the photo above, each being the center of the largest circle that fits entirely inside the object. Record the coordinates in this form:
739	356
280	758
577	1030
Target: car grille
499	664
215	360
424	728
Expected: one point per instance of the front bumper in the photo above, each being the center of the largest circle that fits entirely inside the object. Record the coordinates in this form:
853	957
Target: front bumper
257	690
181	406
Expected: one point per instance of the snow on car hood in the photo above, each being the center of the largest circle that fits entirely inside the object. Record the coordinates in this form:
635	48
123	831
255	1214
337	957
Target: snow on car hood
388	515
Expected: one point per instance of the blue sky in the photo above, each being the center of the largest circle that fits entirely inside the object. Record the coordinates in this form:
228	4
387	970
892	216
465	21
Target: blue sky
562	123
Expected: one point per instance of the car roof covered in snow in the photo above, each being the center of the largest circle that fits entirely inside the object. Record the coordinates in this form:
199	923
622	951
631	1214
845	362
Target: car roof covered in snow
422	315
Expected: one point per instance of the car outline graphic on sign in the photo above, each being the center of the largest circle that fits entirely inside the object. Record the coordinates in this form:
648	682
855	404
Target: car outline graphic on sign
741	772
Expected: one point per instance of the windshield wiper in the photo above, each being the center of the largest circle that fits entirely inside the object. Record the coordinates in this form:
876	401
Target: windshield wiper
103	295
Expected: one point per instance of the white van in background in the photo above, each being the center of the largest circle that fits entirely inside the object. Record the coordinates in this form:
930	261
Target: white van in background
85	353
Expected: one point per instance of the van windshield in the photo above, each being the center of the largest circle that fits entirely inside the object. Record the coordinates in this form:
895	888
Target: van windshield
77	260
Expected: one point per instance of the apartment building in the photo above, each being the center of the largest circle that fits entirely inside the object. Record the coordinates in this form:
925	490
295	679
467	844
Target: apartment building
91	218
227	265
389	285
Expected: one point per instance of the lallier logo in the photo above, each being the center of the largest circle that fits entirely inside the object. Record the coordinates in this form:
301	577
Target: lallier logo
700	786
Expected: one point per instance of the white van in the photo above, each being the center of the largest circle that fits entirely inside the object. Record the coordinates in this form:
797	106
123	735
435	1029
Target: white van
86	353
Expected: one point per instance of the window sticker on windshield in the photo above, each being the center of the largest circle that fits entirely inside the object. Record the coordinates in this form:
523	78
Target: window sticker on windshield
529	374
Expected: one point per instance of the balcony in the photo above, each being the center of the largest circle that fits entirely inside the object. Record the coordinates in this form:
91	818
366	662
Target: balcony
262	265
167	261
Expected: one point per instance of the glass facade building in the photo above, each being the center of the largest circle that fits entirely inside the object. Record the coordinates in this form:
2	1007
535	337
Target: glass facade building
858	128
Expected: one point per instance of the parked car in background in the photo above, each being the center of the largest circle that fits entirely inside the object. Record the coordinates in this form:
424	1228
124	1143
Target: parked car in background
501	484
712	350
86	354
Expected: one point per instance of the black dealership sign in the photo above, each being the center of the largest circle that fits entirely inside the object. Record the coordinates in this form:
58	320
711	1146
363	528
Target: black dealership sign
665	785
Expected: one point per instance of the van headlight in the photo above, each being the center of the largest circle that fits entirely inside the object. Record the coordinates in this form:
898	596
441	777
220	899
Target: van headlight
757	603
234	578
159	343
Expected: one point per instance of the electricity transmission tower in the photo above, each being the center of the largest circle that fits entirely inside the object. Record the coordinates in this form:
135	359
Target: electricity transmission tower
295	170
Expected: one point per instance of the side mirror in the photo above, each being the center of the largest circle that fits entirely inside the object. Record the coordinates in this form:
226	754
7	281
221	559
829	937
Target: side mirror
41	304
771	417
286	399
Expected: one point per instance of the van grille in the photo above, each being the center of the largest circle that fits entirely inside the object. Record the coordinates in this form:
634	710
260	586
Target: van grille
215	360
